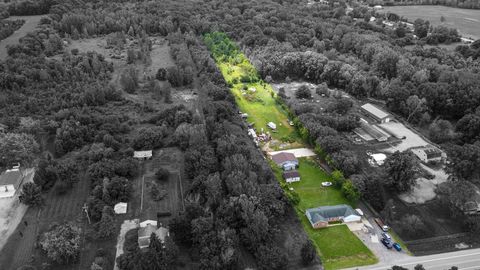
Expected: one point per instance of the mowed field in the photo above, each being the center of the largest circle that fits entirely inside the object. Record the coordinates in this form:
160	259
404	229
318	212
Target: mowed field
467	21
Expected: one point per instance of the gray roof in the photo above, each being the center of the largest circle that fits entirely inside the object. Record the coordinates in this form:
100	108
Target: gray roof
283	157
375	111
325	213
433	153
11	178
290	174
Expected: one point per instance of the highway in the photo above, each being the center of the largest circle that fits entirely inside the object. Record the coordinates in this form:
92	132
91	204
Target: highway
464	260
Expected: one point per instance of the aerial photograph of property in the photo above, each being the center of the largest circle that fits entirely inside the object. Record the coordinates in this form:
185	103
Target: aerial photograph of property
239	134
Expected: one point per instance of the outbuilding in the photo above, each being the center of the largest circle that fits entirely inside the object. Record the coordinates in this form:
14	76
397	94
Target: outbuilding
291	176
376	113
428	154
120	208
143	155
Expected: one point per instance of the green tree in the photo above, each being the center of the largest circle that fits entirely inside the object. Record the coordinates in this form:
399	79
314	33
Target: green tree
31	194
350	191
308	253
400	168
62	243
303	92
106	226
421	28
17	147
162	174
337	178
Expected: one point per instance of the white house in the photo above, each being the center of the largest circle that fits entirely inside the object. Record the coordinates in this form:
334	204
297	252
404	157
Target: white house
291	176
147	154
272	125
10	182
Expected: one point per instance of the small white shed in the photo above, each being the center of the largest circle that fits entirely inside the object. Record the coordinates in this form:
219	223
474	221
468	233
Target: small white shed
147	154
120	208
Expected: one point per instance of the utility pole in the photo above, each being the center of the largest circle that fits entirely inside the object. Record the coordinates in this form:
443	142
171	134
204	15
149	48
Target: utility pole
85	209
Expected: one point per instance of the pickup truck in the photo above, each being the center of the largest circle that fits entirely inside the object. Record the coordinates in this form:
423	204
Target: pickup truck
382	226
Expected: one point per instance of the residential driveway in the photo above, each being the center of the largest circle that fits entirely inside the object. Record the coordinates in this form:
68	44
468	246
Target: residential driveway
370	236
298	152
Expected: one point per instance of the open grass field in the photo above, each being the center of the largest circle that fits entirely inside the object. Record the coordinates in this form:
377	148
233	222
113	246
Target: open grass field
466	21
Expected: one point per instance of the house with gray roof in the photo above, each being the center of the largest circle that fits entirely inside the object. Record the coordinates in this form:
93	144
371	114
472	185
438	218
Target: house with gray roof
320	217
286	160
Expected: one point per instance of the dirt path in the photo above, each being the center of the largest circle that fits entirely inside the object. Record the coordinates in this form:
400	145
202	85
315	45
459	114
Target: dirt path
30	24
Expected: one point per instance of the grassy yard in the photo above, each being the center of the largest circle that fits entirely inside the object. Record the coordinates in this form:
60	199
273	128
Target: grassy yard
259	104
337	246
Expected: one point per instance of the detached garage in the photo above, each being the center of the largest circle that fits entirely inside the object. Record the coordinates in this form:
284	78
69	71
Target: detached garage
291	176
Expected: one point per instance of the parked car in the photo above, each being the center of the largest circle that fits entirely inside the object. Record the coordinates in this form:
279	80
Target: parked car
397	246
387	243
386	236
326	184
382	226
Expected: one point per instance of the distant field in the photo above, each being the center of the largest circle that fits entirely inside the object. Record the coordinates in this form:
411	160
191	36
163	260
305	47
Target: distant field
467	21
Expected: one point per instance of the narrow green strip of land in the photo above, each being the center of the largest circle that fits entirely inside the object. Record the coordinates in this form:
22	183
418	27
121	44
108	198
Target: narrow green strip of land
338	246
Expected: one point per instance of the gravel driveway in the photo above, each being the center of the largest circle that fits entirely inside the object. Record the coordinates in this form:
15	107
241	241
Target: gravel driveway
298	152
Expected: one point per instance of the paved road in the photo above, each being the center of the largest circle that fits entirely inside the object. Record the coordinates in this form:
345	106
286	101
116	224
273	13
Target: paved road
464	260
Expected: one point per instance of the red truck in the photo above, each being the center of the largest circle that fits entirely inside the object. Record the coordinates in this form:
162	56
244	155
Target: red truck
382	226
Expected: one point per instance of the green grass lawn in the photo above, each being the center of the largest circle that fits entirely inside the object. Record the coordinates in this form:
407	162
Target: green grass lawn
337	245
260	105
310	188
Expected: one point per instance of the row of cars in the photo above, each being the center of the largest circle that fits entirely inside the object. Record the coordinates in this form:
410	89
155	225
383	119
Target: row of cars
387	240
